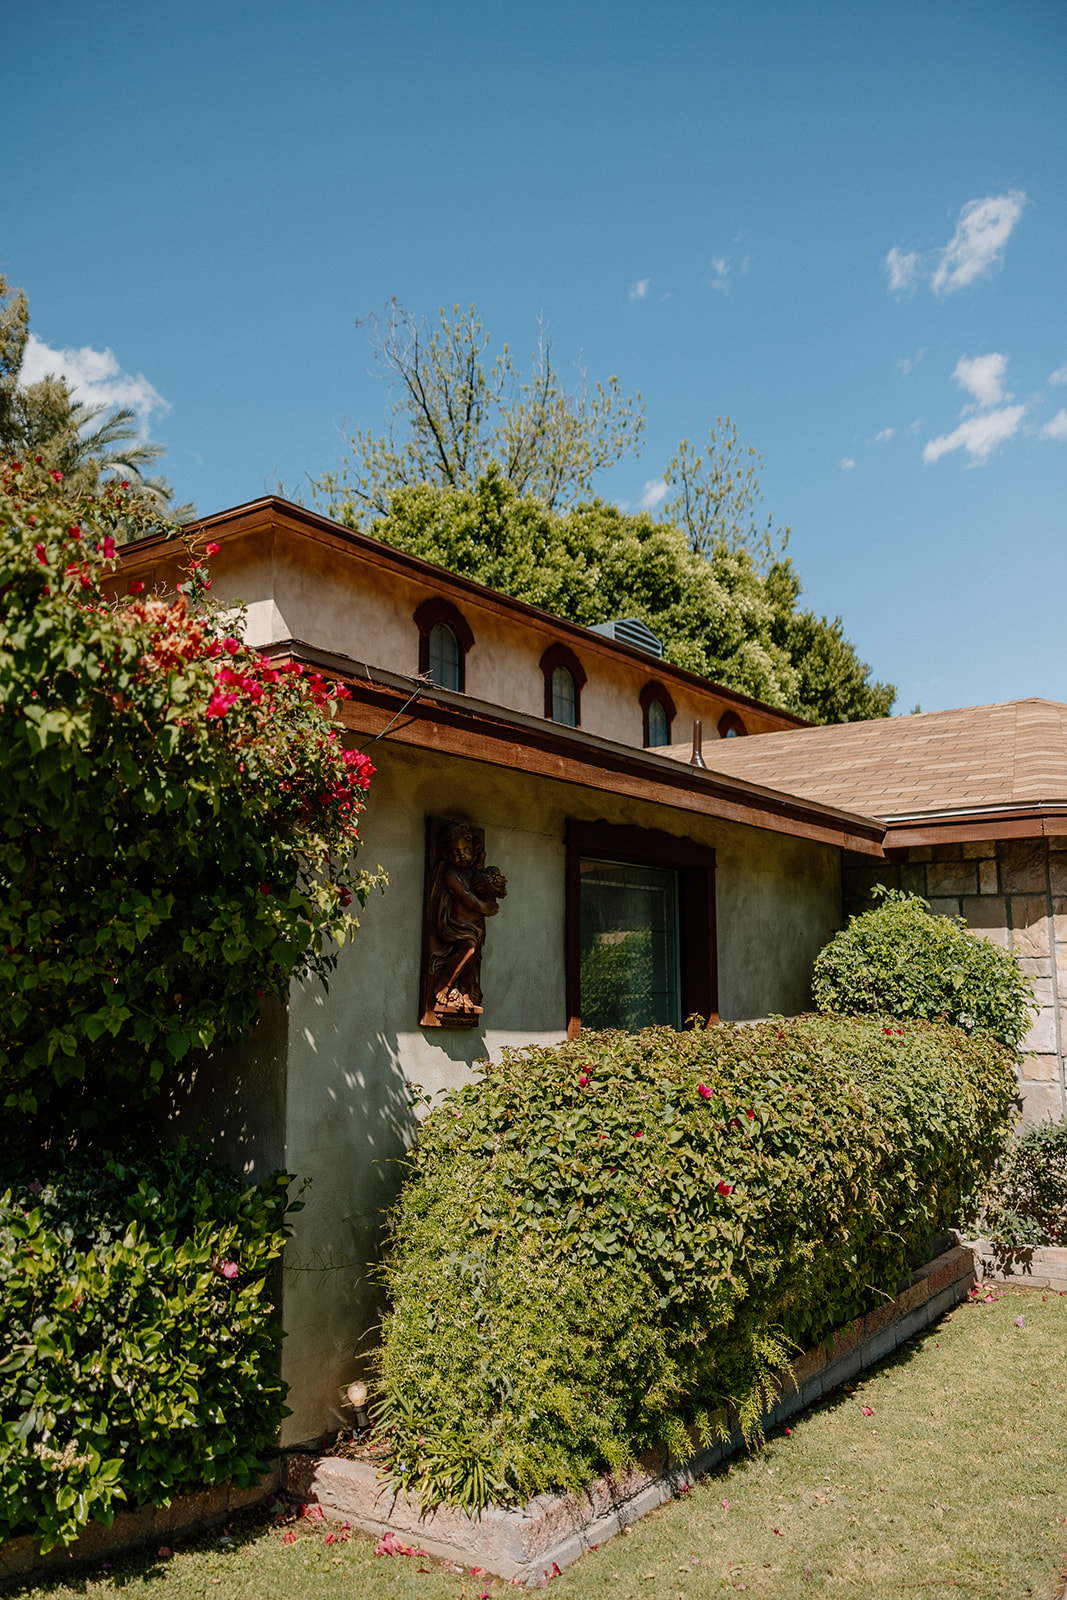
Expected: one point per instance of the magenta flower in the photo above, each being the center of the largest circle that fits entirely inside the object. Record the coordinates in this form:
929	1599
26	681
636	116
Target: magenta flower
230	1269
751	1115
583	1080
703	1091
41	553
211	549
724	1187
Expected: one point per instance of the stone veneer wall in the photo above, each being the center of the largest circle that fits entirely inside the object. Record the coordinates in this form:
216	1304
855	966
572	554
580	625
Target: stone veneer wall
1013	891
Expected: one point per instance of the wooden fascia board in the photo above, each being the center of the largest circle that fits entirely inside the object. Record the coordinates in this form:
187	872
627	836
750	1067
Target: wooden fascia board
283	516
1022	822
442	722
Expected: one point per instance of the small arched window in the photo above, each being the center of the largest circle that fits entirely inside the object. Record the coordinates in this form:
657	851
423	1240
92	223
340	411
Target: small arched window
564	697
444	639
657	714
731	726
564	681
444	656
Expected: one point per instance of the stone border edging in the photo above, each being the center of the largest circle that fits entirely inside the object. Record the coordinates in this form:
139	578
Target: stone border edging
553	1530
1038	1266
21	1561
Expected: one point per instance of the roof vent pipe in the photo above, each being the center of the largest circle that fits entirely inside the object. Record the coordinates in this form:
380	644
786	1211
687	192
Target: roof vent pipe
697	759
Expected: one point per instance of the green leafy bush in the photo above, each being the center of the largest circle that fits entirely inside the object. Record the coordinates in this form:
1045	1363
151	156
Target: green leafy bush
899	961
138	1343
601	1243
1025	1202
178	818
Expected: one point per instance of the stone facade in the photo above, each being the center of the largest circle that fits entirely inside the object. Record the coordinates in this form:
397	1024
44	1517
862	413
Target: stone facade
1013	891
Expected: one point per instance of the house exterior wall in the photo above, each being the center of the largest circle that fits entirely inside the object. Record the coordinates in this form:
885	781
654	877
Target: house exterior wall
1013	891
354	1053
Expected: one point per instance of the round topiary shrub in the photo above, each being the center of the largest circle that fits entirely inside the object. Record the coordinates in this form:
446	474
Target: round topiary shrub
897	960
603	1243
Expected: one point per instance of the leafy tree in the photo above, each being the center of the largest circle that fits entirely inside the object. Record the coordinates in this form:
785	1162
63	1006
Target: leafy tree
85	443
454	417
718	495
177	817
716	615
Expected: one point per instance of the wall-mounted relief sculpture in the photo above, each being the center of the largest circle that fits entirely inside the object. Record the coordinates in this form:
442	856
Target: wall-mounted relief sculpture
461	892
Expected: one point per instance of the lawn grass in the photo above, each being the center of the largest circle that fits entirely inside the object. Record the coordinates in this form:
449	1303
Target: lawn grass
956	1481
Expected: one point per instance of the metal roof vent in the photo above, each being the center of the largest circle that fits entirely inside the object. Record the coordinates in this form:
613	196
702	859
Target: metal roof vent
632	631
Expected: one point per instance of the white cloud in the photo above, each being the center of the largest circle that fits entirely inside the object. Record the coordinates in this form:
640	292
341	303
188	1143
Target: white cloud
1057	428
847	463
982	377
720	273
903	270
94	376
908	364
655	492
975	250
979	435
886	433
639	289
1059	376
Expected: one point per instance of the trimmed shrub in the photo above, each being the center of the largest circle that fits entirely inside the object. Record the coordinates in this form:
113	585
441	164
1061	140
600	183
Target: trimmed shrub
602	1243
138	1343
1025	1202
899	961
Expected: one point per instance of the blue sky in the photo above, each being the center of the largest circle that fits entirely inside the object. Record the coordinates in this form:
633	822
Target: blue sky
844	226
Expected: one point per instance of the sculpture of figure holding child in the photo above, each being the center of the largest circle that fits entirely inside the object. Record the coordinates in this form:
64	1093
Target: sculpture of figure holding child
463	891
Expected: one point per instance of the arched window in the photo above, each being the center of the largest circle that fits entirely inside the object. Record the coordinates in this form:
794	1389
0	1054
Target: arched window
731	726
564	681
444	639
564	697
657	714
444	656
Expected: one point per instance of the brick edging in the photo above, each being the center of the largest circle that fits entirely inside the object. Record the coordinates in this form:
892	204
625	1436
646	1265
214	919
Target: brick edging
525	1542
22	1562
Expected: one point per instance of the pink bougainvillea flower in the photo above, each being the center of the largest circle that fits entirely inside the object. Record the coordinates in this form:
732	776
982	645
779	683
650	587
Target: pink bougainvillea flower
289	1536
751	1115
75	530
789	1433
583	1080
331	1538
136	587
724	1187
211	549
41	553
703	1091
725	1504
1019	1322
231	646
109	547
867	1411
639	1134
230	1269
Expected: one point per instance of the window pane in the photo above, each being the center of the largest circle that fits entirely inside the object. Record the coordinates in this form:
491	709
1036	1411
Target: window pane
659	731
444	656
564	699
630	975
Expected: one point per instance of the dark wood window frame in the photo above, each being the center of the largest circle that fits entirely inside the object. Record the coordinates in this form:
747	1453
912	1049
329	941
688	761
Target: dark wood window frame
729	723
648	847
427	616
558	655
655	691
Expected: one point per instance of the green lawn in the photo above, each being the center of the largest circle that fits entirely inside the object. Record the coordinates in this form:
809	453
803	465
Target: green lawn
944	1471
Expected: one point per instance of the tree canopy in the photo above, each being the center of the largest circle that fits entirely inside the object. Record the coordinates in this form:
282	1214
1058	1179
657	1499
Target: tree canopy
87	444
490	474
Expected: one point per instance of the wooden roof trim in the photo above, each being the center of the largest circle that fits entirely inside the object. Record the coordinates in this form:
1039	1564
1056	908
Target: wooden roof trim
275	513
452	723
1006	822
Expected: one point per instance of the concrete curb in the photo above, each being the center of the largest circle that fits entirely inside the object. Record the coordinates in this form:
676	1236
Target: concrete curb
21	1561
1035	1267
551	1531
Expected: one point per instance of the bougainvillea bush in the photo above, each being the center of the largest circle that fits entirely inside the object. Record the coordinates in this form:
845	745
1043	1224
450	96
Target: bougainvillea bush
1025	1200
178	819
138	1344
601	1243
897	960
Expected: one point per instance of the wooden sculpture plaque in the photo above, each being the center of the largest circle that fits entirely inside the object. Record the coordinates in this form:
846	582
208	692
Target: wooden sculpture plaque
461	891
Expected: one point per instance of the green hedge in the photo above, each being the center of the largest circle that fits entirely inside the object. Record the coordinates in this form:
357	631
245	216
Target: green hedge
138	1344
601	1243
1025	1202
897	960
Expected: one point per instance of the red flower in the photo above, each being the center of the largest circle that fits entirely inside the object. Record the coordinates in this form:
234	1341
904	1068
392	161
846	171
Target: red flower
211	549
751	1115
109	547
703	1091
75	530
867	1412
231	646
724	1188
265	888
583	1080
639	1134
41	553
136	587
